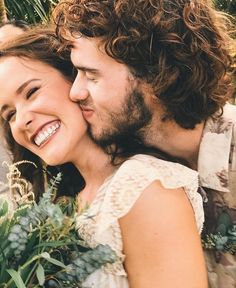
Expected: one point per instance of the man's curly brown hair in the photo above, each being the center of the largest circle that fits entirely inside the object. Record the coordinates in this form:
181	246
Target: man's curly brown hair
180	47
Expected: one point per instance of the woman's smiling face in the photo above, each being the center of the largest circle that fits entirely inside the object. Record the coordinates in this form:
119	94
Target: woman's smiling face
34	99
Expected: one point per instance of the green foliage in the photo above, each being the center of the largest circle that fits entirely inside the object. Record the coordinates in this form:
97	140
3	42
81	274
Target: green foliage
36	11
228	6
40	246
224	236
31	11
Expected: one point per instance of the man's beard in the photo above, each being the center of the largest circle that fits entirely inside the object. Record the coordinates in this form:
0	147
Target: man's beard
126	123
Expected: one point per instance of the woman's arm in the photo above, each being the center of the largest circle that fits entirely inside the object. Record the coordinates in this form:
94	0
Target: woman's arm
161	241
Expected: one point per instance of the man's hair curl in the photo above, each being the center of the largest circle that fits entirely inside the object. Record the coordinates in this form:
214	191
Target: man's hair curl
180	47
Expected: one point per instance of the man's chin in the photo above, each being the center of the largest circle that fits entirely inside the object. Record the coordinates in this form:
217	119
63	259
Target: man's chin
101	139
107	139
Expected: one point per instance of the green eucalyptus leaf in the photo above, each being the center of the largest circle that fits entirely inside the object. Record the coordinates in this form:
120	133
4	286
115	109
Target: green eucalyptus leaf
221	229
224	223
16	278
232	231
40	274
220	242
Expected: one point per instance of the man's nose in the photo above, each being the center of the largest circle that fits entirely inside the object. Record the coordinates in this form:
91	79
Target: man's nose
78	91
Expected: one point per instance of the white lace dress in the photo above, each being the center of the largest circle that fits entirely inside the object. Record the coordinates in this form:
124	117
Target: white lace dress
99	223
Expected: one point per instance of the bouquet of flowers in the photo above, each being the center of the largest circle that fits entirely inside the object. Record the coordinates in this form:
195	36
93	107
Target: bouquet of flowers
39	245
224	236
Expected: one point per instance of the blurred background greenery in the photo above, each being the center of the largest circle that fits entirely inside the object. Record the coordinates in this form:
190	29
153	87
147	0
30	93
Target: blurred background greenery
38	11
31	11
228	6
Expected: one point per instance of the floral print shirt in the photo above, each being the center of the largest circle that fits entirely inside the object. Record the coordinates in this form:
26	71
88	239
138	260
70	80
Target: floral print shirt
217	154
217	173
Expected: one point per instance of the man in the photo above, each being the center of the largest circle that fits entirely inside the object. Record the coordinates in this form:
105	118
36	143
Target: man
157	70
8	30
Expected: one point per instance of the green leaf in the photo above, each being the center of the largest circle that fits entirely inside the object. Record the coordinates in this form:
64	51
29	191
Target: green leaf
16	278
46	256
40	274
224	222
30	249
32	11
4	208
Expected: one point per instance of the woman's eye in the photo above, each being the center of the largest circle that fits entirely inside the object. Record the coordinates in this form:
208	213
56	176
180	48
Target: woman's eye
31	92
8	117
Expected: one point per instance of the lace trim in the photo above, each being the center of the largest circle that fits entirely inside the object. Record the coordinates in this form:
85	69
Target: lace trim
135	175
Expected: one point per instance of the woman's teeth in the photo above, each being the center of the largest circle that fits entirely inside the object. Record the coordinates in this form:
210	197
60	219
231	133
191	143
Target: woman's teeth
44	135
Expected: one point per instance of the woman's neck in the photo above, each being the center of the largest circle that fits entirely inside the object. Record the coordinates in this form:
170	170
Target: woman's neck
94	165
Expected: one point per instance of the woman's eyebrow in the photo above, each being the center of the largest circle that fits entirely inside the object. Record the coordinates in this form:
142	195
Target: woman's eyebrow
18	91
24	85
3	108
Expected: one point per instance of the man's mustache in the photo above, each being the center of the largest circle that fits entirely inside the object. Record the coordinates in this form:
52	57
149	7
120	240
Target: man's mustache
85	104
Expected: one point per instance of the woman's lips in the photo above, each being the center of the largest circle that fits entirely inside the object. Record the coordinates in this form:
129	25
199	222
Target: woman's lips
46	132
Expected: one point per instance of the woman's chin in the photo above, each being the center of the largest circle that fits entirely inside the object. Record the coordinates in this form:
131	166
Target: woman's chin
53	162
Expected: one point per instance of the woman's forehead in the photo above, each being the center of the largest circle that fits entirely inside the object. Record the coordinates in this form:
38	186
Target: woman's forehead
22	66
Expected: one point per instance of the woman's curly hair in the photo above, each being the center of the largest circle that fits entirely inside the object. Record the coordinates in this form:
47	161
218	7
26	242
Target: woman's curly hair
180	47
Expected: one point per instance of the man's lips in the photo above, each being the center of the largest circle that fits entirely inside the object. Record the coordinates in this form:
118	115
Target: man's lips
85	108
87	111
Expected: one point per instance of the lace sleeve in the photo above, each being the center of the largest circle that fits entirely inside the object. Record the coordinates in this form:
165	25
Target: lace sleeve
135	175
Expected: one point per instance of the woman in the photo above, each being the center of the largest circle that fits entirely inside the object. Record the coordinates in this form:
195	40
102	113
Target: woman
145	208
8	30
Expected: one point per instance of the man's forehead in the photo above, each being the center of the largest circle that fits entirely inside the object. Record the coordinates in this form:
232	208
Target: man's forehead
88	48
83	42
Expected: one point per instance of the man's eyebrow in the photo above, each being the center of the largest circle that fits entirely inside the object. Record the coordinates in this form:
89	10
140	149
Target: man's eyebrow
87	69
24	85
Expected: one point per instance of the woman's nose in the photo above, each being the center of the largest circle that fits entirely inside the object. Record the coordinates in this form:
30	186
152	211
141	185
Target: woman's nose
24	120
